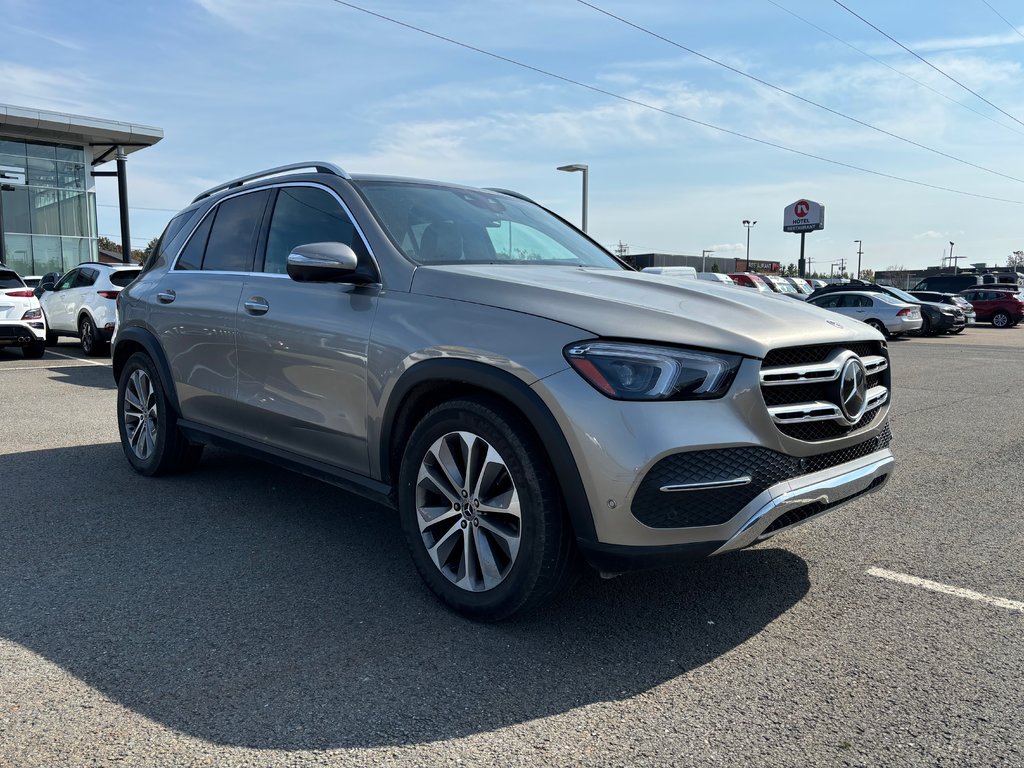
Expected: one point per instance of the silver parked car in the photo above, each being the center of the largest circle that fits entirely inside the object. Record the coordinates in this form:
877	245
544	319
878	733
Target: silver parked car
879	310
523	398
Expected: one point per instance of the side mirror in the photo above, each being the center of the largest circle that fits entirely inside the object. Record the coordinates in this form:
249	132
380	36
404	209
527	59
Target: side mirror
323	263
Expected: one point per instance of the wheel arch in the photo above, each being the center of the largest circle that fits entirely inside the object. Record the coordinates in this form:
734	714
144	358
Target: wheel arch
432	382
137	339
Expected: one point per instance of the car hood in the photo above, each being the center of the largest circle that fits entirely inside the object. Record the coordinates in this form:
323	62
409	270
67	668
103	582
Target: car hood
634	305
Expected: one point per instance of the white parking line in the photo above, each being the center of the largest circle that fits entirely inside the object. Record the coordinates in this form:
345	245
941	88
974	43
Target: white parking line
76	359
50	367
934	586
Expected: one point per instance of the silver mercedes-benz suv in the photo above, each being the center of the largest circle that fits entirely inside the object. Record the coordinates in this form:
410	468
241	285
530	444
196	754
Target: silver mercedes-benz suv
523	399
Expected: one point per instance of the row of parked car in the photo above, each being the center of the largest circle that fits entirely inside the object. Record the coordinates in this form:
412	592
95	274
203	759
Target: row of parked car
81	303
891	310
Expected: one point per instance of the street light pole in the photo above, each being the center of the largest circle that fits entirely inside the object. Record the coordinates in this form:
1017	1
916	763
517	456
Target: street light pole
749	225
860	251
951	256
703	257
585	169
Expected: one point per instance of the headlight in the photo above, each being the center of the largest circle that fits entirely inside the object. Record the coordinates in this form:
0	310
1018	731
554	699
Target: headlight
641	372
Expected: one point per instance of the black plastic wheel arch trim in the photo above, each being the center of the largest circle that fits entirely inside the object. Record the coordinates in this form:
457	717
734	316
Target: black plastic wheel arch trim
145	338
522	397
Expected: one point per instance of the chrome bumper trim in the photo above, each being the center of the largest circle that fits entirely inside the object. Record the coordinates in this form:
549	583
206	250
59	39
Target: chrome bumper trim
832	490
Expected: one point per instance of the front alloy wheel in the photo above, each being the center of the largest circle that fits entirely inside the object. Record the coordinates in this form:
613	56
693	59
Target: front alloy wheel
482	512
467	508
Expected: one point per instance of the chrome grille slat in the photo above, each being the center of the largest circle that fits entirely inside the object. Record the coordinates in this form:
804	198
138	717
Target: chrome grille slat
800	390
819	410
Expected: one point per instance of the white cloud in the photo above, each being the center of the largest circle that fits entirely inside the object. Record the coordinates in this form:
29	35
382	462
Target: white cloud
727	247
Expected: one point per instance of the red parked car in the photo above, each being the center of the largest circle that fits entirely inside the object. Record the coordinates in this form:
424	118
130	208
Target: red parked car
749	280
1001	308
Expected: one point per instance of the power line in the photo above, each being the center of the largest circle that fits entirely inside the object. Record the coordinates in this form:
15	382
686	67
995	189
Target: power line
138	208
796	95
900	72
997	13
670	113
917	56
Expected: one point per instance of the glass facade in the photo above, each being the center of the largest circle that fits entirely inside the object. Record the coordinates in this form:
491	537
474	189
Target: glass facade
50	223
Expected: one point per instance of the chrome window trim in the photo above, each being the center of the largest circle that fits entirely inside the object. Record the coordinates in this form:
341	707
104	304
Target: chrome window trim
249	190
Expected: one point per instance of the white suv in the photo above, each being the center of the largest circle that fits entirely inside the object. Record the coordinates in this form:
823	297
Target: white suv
21	320
82	303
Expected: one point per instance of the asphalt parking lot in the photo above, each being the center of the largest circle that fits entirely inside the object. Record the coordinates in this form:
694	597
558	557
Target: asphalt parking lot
243	615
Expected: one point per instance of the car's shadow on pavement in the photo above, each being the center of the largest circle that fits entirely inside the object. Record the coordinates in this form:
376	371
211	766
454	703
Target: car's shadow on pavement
246	605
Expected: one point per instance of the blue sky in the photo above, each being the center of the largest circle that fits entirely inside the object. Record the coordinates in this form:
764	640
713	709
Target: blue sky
238	85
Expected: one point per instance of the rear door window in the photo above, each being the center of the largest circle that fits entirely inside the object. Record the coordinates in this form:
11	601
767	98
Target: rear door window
232	242
86	277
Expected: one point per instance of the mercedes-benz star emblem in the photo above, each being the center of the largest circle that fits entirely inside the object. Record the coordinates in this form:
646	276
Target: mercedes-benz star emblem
853	390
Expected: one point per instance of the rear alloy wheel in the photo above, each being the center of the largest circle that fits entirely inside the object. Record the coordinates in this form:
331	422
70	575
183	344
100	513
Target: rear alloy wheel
92	345
482	513
879	326
1001	320
34	349
150	437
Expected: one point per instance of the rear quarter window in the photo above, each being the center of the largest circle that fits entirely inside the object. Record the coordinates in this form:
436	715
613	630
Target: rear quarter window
124	277
10	279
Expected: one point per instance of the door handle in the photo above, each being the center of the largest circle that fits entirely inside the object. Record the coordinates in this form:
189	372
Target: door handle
166	297
256	305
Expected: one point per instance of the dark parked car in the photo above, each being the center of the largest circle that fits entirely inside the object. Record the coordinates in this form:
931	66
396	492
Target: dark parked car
963	281
1001	308
954	299
937	318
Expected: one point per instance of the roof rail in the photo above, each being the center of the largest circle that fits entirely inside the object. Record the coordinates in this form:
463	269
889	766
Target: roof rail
320	166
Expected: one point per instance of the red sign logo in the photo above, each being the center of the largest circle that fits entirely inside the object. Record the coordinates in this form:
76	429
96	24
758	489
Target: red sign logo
801	209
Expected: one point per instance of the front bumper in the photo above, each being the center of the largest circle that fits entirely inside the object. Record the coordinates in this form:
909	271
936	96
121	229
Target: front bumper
619	447
779	508
949	323
21	333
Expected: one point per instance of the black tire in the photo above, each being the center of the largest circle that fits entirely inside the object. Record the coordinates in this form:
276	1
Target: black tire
1002	320
92	344
546	562
879	326
926	326
52	338
34	350
955	331
170	451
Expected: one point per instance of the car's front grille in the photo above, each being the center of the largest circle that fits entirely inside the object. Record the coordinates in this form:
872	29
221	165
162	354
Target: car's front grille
726	480
803	388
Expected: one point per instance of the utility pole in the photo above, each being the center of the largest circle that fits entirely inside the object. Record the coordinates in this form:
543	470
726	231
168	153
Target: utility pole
703	257
622	250
860	252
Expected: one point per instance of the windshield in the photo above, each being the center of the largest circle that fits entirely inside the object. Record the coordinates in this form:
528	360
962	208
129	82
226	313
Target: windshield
434	224
782	286
124	277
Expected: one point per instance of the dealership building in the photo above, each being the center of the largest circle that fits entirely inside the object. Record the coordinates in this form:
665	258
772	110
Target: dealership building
49	163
